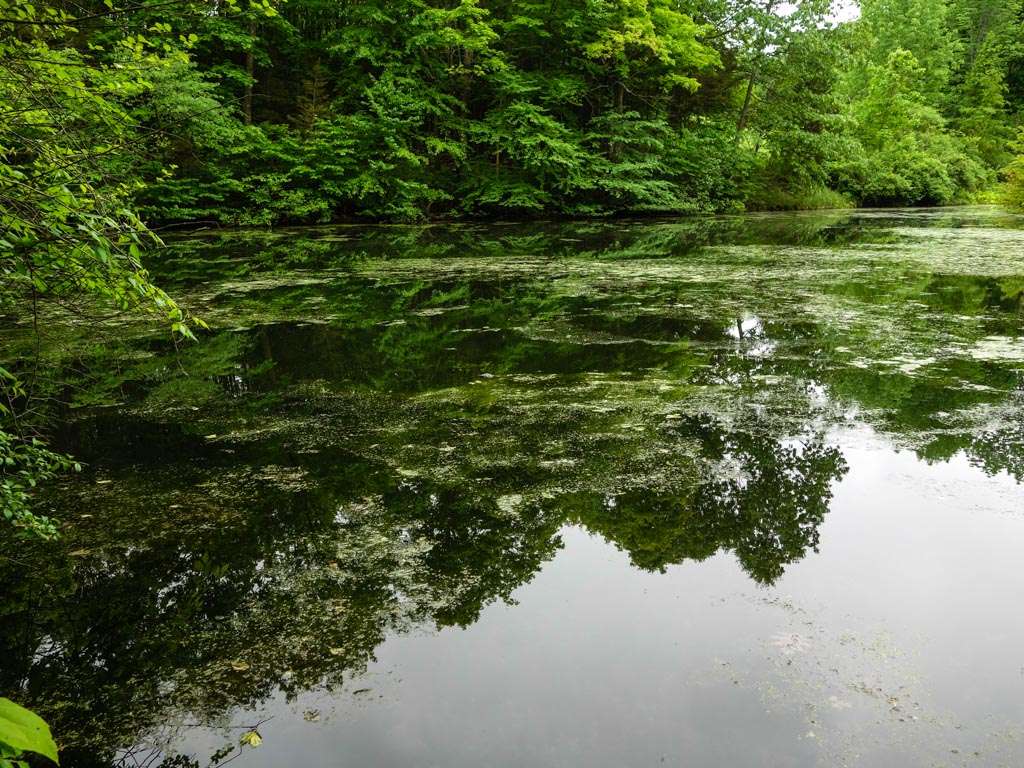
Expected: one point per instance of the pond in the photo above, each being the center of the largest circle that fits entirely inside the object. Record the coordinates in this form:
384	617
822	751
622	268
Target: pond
735	491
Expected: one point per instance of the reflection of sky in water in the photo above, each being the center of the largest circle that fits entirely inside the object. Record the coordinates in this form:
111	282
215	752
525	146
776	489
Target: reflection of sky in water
892	646
752	332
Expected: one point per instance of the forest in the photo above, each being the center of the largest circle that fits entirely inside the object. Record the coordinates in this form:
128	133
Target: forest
312	111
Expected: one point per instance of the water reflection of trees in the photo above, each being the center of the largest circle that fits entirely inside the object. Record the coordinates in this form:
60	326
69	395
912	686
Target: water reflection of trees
235	574
287	494
761	499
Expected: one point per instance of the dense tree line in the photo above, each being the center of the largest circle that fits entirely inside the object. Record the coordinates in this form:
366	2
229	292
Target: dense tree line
317	110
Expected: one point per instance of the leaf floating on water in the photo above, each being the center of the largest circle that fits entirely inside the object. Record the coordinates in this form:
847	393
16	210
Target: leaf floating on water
252	738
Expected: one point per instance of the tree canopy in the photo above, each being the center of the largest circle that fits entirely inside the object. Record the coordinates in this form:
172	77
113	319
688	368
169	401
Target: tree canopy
305	111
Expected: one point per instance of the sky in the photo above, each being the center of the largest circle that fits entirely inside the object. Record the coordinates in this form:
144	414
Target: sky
847	10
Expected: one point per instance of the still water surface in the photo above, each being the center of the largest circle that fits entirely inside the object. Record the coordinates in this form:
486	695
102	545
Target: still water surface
742	491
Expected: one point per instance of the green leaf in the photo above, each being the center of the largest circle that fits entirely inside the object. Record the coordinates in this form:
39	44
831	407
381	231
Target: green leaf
25	731
252	738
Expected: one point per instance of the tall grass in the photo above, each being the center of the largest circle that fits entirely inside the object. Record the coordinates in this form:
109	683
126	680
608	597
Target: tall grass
815	198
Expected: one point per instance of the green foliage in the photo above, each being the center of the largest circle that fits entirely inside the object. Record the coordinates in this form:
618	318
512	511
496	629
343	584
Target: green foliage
918	27
1014	189
68	234
986	84
908	156
432	113
302	112
25	465
309	113
21	732
65	138
814	198
930	102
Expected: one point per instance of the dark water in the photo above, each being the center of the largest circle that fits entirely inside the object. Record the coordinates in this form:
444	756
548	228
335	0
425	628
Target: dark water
720	492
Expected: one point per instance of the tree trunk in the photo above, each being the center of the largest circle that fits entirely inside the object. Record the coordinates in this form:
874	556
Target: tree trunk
755	70
741	123
250	67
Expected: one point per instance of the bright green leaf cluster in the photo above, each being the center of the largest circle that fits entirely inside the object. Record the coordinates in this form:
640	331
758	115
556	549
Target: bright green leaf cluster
22	732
